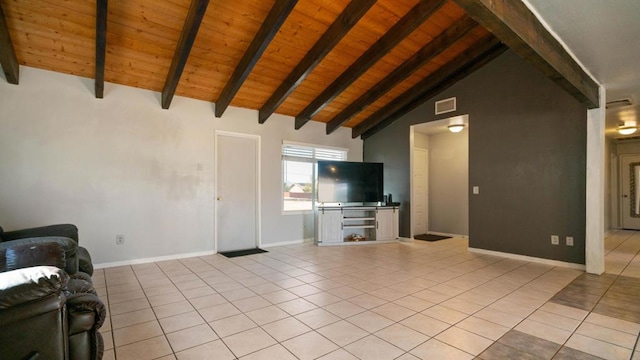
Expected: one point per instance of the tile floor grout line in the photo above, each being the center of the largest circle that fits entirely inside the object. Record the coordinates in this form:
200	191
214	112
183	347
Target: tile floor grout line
589	312
115	352
164	334
512	328
620	244
470	315
195	309
628	264
242	313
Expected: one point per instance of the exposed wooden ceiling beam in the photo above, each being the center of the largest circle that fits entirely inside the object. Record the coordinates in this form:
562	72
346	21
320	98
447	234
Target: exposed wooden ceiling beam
274	20
515	25
336	31
188	36
447	75
101	46
8	58
405	26
422	57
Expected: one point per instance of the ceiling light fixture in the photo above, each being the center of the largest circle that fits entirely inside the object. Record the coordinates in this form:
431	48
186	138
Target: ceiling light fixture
456	128
629	127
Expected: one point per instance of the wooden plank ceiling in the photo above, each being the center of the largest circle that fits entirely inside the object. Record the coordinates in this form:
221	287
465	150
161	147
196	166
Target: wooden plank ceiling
358	63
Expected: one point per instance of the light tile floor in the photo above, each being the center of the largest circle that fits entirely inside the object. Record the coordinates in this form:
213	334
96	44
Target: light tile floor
406	300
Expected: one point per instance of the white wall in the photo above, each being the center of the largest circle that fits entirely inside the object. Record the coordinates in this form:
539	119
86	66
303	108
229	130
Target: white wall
449	182
123	165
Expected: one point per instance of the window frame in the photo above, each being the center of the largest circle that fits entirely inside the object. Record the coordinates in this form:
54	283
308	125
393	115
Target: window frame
311	159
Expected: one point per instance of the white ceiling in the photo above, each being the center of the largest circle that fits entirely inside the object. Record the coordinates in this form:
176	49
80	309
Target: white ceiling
604	35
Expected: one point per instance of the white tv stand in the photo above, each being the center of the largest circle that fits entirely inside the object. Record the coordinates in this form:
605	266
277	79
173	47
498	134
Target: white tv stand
351	225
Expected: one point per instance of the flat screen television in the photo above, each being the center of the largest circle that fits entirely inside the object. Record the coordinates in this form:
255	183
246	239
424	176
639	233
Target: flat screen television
349	182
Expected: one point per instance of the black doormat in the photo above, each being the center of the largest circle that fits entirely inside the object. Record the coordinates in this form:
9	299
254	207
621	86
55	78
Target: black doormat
430	237
232	254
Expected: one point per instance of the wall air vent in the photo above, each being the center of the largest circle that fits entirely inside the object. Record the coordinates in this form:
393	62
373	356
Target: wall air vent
445	106
614	104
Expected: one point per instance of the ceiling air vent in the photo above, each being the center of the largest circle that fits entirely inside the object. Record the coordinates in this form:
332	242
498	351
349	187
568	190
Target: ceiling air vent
445	106
614	104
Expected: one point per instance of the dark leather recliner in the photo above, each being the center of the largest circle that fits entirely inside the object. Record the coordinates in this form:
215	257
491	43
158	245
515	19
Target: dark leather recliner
46	313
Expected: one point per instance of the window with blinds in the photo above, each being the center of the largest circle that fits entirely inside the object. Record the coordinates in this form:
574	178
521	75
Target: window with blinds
299	173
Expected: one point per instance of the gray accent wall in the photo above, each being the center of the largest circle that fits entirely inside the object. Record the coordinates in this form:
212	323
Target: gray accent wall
527	153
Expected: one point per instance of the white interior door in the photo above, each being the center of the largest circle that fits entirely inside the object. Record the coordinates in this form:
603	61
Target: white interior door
237	191
420	188
630	191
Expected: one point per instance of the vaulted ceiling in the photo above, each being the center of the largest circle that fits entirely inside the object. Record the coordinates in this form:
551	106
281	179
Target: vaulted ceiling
359	63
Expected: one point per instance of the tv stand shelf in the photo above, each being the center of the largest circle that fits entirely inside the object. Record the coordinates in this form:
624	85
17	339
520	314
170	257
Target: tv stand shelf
358	227
346	225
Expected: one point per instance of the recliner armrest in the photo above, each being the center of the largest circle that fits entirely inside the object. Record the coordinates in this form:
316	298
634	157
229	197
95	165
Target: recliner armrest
86	312
29	284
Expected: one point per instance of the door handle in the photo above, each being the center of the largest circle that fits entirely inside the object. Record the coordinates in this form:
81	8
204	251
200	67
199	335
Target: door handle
219	198
625	196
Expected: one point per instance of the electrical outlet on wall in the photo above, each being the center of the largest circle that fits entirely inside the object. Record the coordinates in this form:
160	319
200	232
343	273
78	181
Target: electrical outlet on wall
555	240
569	240
119	239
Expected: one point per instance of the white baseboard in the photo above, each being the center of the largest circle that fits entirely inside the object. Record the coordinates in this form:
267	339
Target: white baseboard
448	234
153	259
284	243
528	258
186	255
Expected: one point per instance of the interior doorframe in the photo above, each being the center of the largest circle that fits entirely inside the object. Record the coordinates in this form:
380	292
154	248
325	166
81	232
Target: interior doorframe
440	122
257	138
411	182
413	194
